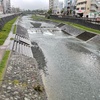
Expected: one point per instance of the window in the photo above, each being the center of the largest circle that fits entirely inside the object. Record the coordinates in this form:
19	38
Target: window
87	8
94	6
77	8
82	8
80	3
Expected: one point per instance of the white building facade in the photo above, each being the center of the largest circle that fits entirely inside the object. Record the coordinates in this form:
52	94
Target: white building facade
54	5
60	6
6	6
1	7
51	4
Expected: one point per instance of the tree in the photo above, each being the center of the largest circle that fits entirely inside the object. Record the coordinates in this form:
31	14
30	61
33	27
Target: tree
49	11
62	11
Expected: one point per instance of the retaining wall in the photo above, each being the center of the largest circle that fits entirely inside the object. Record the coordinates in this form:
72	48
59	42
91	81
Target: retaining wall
77	21
5	19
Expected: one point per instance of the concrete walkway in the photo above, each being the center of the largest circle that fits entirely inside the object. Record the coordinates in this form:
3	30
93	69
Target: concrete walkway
1	53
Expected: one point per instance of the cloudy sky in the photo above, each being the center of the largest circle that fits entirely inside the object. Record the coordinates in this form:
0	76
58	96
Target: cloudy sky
31	4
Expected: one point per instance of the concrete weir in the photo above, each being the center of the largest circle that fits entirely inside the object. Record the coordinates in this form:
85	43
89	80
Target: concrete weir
36	25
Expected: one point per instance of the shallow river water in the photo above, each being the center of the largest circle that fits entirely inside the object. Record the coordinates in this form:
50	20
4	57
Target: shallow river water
72	66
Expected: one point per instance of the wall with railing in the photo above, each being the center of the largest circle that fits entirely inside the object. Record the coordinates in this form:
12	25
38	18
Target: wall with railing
88	22
5	19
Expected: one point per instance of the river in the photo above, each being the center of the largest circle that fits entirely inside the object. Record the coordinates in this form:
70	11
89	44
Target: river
72	66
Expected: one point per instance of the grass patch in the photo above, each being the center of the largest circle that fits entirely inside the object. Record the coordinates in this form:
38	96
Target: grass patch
84	28
38	18
5	30
14	30
11	38
68	23
3	64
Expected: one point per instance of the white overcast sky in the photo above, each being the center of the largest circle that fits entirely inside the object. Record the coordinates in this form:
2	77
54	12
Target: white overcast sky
31	4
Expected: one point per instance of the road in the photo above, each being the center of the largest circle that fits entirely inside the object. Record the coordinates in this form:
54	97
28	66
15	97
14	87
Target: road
72	66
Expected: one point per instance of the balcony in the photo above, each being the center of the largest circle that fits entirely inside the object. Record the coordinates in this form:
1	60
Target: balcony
95	2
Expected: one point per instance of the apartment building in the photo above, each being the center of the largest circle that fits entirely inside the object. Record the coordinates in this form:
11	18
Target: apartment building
54	5
5	6
51	4
65	4
1	7
87	8
8	4
69	6
60	6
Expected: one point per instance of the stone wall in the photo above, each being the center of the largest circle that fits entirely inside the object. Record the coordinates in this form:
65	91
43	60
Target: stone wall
5	19
77	21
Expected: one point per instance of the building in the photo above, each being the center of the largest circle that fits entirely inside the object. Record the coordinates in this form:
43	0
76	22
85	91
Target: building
8	5
54	5
69	3
87	8
69	6
51	4
1	7
60	6
5	6
65	4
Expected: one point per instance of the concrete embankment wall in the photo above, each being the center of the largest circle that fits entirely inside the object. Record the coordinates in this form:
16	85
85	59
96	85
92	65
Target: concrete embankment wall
5	19
80	34
77	21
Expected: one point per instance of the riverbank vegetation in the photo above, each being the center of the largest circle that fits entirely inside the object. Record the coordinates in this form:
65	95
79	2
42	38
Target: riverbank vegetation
68	23
5	30
3	64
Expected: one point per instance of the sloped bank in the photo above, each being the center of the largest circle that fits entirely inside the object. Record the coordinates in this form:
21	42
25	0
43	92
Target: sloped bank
80	34
22	80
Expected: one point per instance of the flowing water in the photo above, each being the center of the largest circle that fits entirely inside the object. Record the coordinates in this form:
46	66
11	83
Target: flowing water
71	68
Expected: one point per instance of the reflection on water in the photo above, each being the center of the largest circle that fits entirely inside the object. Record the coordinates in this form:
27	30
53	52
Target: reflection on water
73	66
39	56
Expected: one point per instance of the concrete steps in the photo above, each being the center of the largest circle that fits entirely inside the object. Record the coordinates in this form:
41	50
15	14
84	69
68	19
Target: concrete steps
22	46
